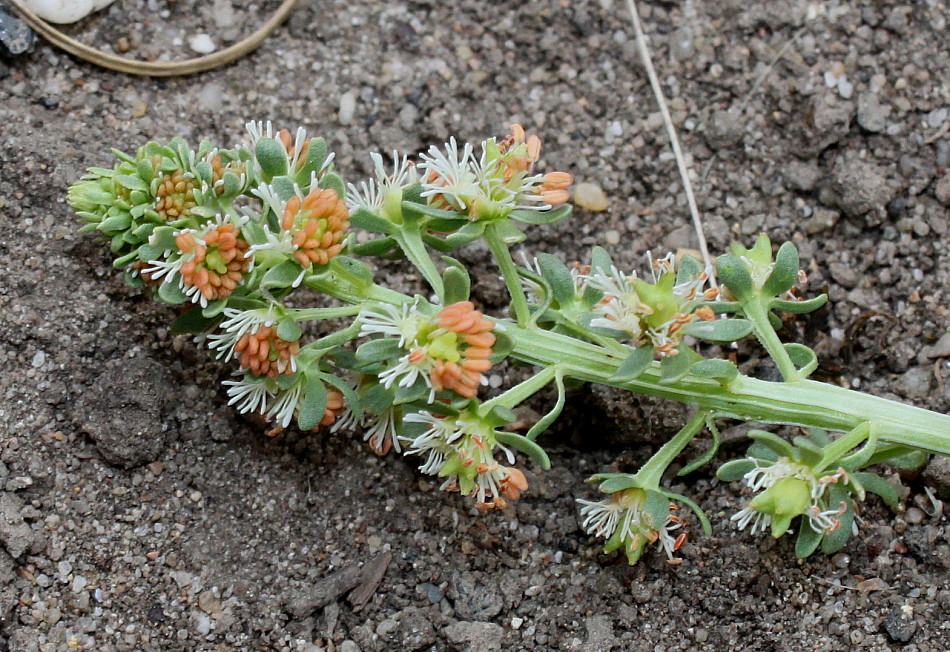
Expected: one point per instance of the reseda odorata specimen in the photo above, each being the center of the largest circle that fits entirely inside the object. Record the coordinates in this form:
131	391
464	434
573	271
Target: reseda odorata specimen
229	234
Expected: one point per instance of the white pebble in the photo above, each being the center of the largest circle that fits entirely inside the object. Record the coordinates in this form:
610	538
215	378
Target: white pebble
612	236
39	359
202	44
65	11
590	196
516	623
495	381
347	108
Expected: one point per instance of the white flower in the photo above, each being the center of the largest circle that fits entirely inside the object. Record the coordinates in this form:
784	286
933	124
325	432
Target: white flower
372	194
620	308
285	405
623	511
379	430
450	173
385	319
237	324
250	394
760	521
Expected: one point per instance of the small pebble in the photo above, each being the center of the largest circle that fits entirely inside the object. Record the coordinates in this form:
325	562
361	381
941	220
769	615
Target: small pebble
590	196
612	236
914	516
202	44
347	108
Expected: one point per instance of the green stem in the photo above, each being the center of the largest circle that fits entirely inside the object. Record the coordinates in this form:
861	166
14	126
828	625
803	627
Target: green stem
651	473
410	241
308	314
758	314
519	303
837	449
522	391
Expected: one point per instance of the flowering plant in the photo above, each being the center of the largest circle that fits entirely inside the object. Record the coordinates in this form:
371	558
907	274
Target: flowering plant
230	234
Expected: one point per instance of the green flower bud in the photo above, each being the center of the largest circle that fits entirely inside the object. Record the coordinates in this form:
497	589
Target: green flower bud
783	501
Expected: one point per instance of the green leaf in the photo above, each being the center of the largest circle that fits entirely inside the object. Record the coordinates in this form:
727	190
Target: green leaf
192	321
558	276
351	400
316	155
171	293
618	482
355	267
722	307
657	508
272	158
541	217
431	211
635	364
363	218
132	182
722	370
834	541
503	346
687	268
785	273
508	233
696	509
707	454
799	307
802	357
377	399
600	260
284	187
808	540
288	329
501	415
819	436
314	403
719	330
332	180
283	275
526	446
379	350
542	424
807	452
214	308
119	222
674	367
733	273
457	285
734	469
412	393
773	442
878	485
377	247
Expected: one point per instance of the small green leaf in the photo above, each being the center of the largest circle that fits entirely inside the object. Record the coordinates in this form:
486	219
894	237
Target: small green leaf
634	364
802	357
119	222
526	446
734	469
316	155
283	275
799	307
719	330
284	187
377	247
192	321
132	182
785	273
379	350
272	158
718	368
377	399
541	217
877	485
363	218
501	415
214	308
542	424
503	346
288	329
412	393
733	274
508	233
314	403
657	508
674	367
808	540
170	292
807	452
457	285
773	442
600	260
706	455
687	268
619	482
558	276
834	541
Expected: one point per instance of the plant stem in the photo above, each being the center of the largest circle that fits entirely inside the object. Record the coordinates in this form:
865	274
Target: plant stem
522	391
519	303
410	241
756	312
308	314
652	472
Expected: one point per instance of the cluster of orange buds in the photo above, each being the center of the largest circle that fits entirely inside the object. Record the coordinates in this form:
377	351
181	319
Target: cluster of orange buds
175	195
218	169
217	263
317	224
465	375
334	408
553	186
265	354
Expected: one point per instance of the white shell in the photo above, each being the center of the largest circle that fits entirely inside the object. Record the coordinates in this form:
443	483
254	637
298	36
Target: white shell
65	11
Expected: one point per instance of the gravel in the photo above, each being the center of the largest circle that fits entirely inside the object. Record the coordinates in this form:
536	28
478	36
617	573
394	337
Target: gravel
156	519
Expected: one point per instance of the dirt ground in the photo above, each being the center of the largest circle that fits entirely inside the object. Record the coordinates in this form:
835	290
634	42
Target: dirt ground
822	122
